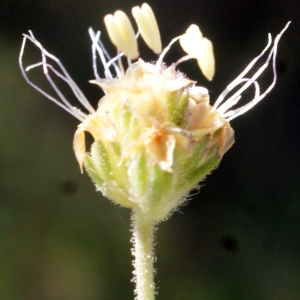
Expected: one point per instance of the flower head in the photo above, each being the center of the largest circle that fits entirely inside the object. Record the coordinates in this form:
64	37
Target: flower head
155	133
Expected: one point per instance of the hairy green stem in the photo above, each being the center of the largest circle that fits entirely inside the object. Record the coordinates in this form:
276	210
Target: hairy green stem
143	234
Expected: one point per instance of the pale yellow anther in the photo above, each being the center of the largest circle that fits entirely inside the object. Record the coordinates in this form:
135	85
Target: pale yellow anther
190	41
194	44
121	33
148	27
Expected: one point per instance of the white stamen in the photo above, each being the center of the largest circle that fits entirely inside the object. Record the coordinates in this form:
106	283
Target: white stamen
162	55
64	75
98	46
257	98
115	63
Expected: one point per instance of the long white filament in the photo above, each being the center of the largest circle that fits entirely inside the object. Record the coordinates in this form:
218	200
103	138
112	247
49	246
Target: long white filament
221	105
98	47
62	74
223	108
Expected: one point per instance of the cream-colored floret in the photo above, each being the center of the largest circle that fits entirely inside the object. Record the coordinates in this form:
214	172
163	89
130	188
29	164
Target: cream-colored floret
145	92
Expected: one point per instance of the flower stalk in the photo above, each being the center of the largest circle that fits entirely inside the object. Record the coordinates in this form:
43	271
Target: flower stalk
143	243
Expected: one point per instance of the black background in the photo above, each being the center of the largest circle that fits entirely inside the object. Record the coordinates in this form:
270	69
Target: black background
239	238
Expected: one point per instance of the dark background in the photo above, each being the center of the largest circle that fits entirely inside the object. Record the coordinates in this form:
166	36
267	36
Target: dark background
238	239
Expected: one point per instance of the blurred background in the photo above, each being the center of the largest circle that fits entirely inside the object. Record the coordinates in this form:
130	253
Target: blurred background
238	239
